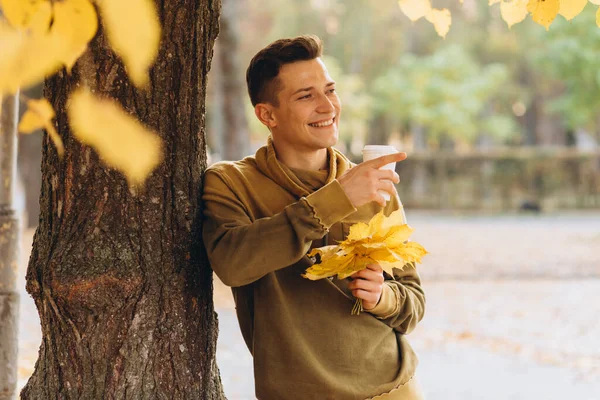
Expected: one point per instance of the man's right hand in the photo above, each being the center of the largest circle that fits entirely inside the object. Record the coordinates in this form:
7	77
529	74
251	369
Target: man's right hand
362	182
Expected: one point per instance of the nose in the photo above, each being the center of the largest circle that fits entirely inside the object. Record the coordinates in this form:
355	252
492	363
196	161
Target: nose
325	105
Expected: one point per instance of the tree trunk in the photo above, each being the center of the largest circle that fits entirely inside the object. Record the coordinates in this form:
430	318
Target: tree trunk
484	188
420	180
9	245
236	139
121	280
29	160
214	104
378	131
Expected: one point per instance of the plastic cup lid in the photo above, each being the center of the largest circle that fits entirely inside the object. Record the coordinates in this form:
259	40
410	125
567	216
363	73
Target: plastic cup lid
379	149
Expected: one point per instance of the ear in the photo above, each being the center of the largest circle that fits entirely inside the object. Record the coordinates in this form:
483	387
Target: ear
264	113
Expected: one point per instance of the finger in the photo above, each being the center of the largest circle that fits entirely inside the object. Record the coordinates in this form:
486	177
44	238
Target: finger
370	273
388	187
375	267
367	296
388	174
372	276
374	196
384	160
379	199
362	284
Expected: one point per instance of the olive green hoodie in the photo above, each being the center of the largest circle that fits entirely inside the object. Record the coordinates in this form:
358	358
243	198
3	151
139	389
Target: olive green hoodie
261	219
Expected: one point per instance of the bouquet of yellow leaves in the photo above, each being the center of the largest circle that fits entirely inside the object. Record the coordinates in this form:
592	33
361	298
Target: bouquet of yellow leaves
383	241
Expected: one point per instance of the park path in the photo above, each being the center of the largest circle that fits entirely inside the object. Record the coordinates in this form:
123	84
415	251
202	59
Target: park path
513	305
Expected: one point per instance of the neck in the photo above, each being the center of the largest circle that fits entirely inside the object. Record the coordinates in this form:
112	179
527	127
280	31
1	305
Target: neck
296	158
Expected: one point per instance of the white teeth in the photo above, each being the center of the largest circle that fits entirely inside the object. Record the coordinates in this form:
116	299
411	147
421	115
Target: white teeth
322	124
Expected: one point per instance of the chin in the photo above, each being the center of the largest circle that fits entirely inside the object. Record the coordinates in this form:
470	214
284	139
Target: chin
329	141
333	139
325	139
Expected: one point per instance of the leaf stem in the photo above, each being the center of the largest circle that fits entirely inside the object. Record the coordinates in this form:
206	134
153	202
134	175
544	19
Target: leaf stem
358	307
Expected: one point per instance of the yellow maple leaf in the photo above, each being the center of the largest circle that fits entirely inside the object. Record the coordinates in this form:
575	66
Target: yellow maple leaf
415	9
398	234
359	230
382	241
133	30
26	58
543	11
571	8
513	11
330	265
32	15
40	21
19	12
75	24
441	20
39	115
121	140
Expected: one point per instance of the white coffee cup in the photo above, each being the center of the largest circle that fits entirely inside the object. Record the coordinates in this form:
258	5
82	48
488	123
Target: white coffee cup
371	152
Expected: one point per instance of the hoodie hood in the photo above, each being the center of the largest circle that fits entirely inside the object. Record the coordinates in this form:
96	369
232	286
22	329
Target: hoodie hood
268	164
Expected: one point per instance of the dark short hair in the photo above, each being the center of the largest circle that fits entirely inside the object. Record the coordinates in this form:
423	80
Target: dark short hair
261	75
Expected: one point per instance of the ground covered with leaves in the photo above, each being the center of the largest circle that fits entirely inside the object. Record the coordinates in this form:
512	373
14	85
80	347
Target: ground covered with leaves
511	310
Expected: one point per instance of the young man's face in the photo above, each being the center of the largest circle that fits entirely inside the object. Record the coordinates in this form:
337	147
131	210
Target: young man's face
309	108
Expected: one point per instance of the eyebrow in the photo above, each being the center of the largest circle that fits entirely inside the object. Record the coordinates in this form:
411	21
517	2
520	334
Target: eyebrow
307	89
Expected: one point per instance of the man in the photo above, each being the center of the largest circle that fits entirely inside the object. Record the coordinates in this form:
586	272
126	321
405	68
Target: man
264	213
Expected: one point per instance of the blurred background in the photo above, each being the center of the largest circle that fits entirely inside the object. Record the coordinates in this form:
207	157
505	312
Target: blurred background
502	183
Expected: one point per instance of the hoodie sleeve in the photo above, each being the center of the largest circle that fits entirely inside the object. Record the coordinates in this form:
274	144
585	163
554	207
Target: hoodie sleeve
242	250
402	303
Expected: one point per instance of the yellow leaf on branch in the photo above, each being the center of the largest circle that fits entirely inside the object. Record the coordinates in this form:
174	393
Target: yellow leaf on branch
39	115
75	24
383	241
26	58
543	11
39	22
120	140
441	20
571	8
19	13
513	11
415	9
133	30
32	15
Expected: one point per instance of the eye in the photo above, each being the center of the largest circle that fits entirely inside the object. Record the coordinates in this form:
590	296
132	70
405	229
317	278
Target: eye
332	90
304	97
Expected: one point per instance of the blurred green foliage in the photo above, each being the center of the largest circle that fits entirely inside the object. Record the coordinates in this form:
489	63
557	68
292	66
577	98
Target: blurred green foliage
483	83
571	56
446	93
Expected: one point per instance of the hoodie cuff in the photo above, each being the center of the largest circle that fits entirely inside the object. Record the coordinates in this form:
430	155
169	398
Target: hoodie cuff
387	305
330	204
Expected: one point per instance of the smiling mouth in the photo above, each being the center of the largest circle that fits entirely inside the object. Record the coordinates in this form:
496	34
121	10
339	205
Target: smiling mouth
323	124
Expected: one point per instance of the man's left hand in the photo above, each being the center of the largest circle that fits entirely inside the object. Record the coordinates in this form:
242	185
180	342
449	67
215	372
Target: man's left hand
368	285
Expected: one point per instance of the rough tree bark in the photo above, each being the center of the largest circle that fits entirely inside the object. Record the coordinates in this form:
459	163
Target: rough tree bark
121	280
9	245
